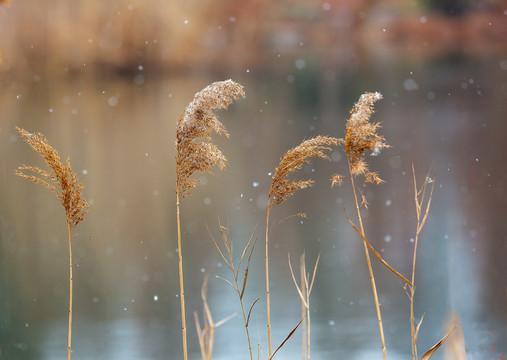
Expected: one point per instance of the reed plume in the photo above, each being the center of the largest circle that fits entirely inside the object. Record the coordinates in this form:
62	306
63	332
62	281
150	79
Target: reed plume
282	188
63	182
196	153
360	137
193	131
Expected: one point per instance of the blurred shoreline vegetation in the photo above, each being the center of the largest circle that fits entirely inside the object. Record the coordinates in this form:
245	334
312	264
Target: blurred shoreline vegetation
62	38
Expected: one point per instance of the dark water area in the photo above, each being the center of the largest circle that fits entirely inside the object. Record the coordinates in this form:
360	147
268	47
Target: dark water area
446	113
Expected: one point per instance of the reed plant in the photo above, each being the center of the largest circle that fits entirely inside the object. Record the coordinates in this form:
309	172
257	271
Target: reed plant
282	188
362	137
422	200
64	183
195	153
227	256
304	290
206	331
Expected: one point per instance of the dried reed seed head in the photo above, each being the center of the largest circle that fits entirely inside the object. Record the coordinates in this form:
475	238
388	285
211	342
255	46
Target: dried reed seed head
71	191
193	131
361	136
293	160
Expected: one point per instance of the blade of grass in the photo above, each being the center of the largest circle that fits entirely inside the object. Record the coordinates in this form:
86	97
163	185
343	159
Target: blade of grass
285	340
376	253
434	348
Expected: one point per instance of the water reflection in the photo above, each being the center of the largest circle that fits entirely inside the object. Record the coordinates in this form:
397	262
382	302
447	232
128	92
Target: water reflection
119	136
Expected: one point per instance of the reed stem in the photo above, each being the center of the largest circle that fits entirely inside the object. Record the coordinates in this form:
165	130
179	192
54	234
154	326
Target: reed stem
182	291
69	342
412	294
268	311
304	311
368	261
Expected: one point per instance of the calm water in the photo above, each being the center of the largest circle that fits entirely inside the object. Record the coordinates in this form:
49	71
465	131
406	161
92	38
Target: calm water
448	114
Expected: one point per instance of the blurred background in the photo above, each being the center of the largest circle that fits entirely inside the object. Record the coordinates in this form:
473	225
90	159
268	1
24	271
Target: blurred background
106	82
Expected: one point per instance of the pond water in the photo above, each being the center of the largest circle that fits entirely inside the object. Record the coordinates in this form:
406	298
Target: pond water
447	114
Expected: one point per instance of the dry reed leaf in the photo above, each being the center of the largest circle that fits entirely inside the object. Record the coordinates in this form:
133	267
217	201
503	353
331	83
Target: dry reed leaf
245	277
285	340
206	334
455	348
294	159
193	131
434	348
250	311
301	296
385	263
71	191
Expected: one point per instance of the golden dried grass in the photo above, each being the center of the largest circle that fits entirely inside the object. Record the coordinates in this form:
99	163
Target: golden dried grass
282	188
70	194
195	153
228	258
361	136
194	150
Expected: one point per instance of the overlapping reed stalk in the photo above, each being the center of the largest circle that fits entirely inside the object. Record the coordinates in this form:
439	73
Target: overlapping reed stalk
422	200
360	137
304	291
196	154
282	188
206	331
64	183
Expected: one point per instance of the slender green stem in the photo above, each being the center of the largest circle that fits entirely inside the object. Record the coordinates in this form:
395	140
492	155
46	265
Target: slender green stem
69	341
368	261
268	311
182	292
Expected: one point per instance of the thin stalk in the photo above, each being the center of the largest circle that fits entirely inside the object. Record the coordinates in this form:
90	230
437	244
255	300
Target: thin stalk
304	311
306	292
421	198
182	291
368	261
235	271
246	328
412	287
267	282
69	342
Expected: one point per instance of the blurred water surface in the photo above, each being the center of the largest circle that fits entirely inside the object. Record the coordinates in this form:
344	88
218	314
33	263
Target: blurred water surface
445	113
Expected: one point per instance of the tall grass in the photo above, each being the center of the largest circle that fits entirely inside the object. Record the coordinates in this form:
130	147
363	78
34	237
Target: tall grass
196	154
64	183
228	258
304	290
282	188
